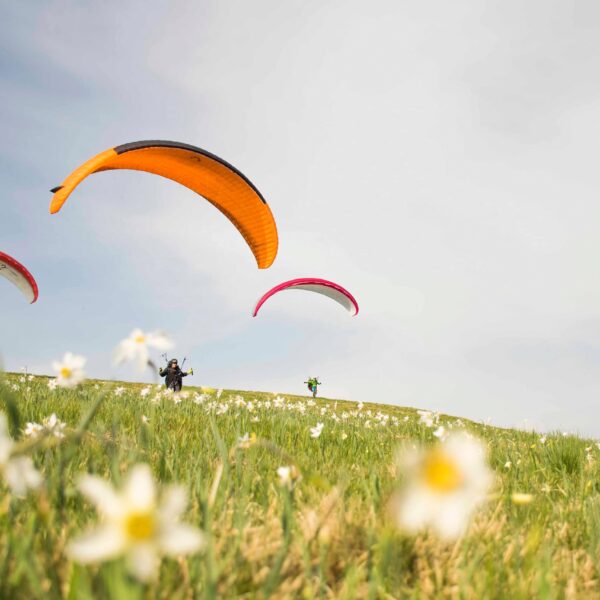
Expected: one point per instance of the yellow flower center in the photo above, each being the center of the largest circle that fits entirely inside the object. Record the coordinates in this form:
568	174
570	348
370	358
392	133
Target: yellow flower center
66	373
140	339
140	526
441	473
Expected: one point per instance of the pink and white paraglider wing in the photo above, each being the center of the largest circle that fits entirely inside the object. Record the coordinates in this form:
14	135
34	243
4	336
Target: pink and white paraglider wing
17	274
312	284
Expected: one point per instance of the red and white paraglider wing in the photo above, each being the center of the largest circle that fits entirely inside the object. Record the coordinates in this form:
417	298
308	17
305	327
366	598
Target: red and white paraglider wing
16	273
312	284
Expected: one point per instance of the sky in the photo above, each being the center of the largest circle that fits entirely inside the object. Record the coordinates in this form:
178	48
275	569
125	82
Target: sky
436	158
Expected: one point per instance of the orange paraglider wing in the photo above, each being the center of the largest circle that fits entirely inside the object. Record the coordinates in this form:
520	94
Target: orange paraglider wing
208	175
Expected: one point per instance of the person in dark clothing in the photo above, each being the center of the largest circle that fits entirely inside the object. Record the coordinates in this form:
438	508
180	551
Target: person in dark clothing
174	375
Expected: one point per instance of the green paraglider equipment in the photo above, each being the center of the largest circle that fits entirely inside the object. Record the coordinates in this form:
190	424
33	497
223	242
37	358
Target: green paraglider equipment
312	383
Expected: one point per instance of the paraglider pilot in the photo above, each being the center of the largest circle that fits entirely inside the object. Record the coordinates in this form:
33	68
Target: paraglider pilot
313	382
174	375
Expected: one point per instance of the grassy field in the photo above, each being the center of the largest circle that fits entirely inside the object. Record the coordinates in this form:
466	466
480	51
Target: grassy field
331	536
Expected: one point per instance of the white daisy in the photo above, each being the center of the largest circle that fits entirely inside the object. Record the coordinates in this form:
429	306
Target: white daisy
443	486
54	426
440	432
70	370
33	429
18	470
288	476
136	524
246	440
427	418
136	347
316	431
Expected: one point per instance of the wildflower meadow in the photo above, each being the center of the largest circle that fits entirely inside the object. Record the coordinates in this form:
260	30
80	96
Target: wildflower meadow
117	490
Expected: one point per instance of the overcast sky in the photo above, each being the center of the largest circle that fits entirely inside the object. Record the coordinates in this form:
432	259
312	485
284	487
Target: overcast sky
436	158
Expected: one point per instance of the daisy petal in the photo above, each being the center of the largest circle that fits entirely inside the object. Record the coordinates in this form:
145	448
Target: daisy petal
100	493
181	539
174	501
142	562
100	544
139	490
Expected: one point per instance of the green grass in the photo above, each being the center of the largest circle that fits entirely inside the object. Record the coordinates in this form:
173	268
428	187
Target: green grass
333	537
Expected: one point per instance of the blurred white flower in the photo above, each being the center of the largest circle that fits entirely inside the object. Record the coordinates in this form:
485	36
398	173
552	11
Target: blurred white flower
119	391
427	418
508	464
135	523
70	370
219	392
443	486
316	431
542	439
246	440
145	391
288	476
344	435
52	383
360	405
200	398
33	429
53	426
145	419
440	432
136	347
18	470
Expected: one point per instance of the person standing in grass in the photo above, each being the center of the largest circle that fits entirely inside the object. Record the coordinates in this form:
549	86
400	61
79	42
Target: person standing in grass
313	382
174	375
